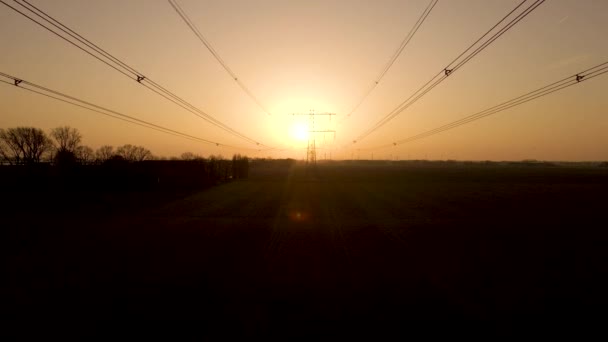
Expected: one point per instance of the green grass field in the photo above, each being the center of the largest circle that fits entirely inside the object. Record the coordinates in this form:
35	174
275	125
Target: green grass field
343	248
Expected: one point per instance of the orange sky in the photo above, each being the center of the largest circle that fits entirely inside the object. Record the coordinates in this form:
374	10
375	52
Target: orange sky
323	55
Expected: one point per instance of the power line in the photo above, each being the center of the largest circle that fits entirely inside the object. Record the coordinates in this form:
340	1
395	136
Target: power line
64	38
180	11
141	78
456	64
448	70
118	65
82	40
566	82
59	96
396	55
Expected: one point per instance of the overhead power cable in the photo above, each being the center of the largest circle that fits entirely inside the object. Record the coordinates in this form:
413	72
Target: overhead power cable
62	31
396	55
566	82
59	96
496	31
180	11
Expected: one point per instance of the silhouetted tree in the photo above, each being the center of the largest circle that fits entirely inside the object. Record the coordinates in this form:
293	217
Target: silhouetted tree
240	166
215	167
104	153
116	159
5	153
190	156
24	145
67	138
85	154
134	153
65	159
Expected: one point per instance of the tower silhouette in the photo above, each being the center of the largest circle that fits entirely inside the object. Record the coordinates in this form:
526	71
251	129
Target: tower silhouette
311	150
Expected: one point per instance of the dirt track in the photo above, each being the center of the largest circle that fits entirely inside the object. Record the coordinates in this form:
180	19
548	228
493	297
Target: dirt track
340	249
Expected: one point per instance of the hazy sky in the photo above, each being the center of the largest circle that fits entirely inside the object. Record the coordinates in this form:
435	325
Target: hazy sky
323	55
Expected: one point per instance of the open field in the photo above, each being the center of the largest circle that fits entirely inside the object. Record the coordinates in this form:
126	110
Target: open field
354	247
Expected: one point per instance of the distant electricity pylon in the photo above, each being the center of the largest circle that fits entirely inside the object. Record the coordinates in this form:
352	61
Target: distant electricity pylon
311	150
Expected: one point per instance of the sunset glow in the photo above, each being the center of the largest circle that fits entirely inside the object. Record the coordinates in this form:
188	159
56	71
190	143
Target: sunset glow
296	169
339	57
299	132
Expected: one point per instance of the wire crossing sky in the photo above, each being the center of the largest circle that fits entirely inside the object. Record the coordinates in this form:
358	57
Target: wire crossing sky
396	55
569	81
180	11
116	64
41	90
297	56
481	43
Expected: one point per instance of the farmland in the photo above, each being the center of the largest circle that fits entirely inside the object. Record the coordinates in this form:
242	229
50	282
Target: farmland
348	246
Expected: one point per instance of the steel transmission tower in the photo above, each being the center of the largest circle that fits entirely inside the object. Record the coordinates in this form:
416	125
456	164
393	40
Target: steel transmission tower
311	150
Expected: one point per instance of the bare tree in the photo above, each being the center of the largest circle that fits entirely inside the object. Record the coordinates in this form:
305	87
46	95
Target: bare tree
190	156
85	154
67	138
5	151
104	153
24	145
134	153
9	147
216	157
240	166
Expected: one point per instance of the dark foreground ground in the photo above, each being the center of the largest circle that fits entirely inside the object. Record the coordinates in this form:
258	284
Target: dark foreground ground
344	250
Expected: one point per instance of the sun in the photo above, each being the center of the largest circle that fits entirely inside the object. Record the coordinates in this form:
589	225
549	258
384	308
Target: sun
299	131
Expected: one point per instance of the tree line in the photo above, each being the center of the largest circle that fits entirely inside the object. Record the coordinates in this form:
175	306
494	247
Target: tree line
31	156
31	145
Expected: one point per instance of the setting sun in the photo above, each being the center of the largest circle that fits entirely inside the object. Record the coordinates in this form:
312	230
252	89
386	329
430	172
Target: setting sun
307	167
299	131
